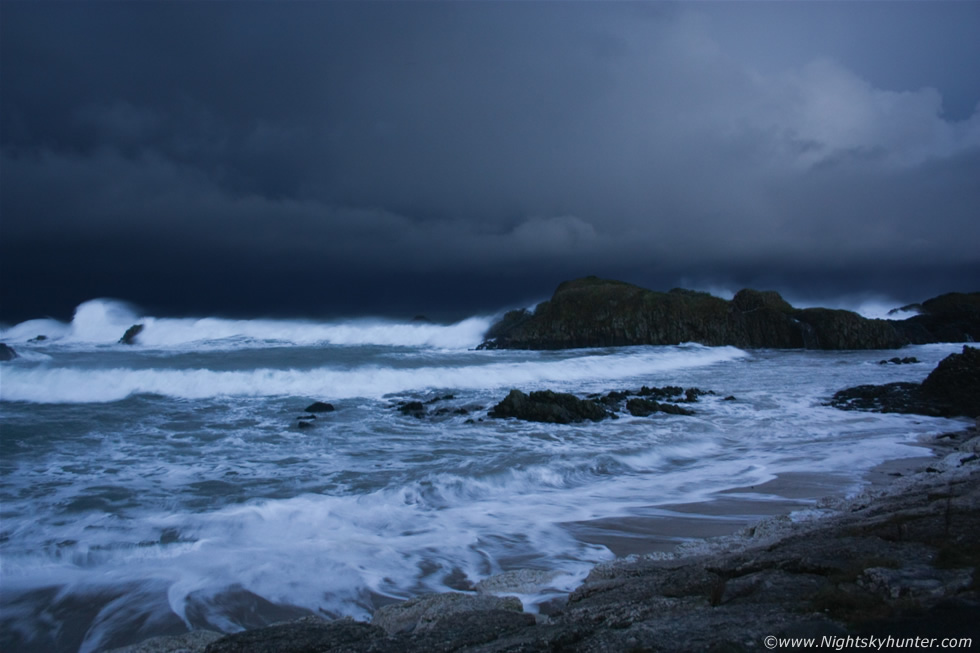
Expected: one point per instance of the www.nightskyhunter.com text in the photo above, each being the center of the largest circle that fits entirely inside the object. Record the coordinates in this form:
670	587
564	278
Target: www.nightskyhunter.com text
839	642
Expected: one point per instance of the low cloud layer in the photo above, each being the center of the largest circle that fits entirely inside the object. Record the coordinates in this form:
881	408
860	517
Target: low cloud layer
333	157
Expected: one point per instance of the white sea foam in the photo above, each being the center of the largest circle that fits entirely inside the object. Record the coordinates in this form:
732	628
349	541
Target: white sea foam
81	385
104	321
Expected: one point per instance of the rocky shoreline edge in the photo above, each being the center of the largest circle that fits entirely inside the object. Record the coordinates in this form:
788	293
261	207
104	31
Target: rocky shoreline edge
900	559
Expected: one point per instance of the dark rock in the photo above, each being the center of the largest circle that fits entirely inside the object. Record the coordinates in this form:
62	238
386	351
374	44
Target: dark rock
129	338
448	397
899	397
643	407
189	642
895	360
593	312
950	390
320	407
303	636
908	308
666	392
304	424
7	352
413	408
953	317
432	611
38	338
548	406
956	381
730	398
691	394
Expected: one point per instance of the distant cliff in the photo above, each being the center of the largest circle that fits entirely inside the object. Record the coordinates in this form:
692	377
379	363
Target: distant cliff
593	312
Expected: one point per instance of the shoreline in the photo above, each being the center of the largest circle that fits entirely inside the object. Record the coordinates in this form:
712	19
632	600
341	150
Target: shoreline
624	604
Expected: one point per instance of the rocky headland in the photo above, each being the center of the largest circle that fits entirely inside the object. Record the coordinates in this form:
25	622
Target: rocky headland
594	312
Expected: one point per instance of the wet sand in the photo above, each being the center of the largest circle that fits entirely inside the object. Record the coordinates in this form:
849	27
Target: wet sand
661	528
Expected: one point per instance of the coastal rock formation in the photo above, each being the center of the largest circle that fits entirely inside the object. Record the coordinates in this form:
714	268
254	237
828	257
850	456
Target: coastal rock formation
548	406
564	408
320	407
953	317
129	338
7	352
950	390
956	380
432	611
643	407
593	312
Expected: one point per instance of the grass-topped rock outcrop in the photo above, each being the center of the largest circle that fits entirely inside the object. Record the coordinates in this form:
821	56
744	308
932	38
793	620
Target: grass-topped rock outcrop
594	312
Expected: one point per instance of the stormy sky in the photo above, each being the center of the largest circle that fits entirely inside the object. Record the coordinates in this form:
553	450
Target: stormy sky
335	158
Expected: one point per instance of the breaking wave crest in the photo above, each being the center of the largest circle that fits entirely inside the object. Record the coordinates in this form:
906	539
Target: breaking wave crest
104	321
81	385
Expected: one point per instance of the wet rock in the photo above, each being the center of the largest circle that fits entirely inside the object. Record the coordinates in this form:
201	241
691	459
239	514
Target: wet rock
519	581
413	408
38	338
438	610
950	390
193	642
7	352
548	406
301	636
320	407
666	392
916	581
956	381
895	360
901	397
639	407
129	338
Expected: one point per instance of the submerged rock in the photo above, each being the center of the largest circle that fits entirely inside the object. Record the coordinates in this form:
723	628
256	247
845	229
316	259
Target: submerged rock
129	338
7	352
413	408
643	407
548	406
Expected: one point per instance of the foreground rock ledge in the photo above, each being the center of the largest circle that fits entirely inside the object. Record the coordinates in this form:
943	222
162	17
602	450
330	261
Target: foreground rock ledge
900	561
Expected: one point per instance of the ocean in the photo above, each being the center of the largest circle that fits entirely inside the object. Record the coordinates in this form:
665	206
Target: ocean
170	484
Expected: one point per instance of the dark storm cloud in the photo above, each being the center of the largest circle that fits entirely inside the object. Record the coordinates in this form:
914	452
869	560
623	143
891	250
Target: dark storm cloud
378	155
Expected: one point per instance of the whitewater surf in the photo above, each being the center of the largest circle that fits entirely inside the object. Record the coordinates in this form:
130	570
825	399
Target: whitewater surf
165	485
